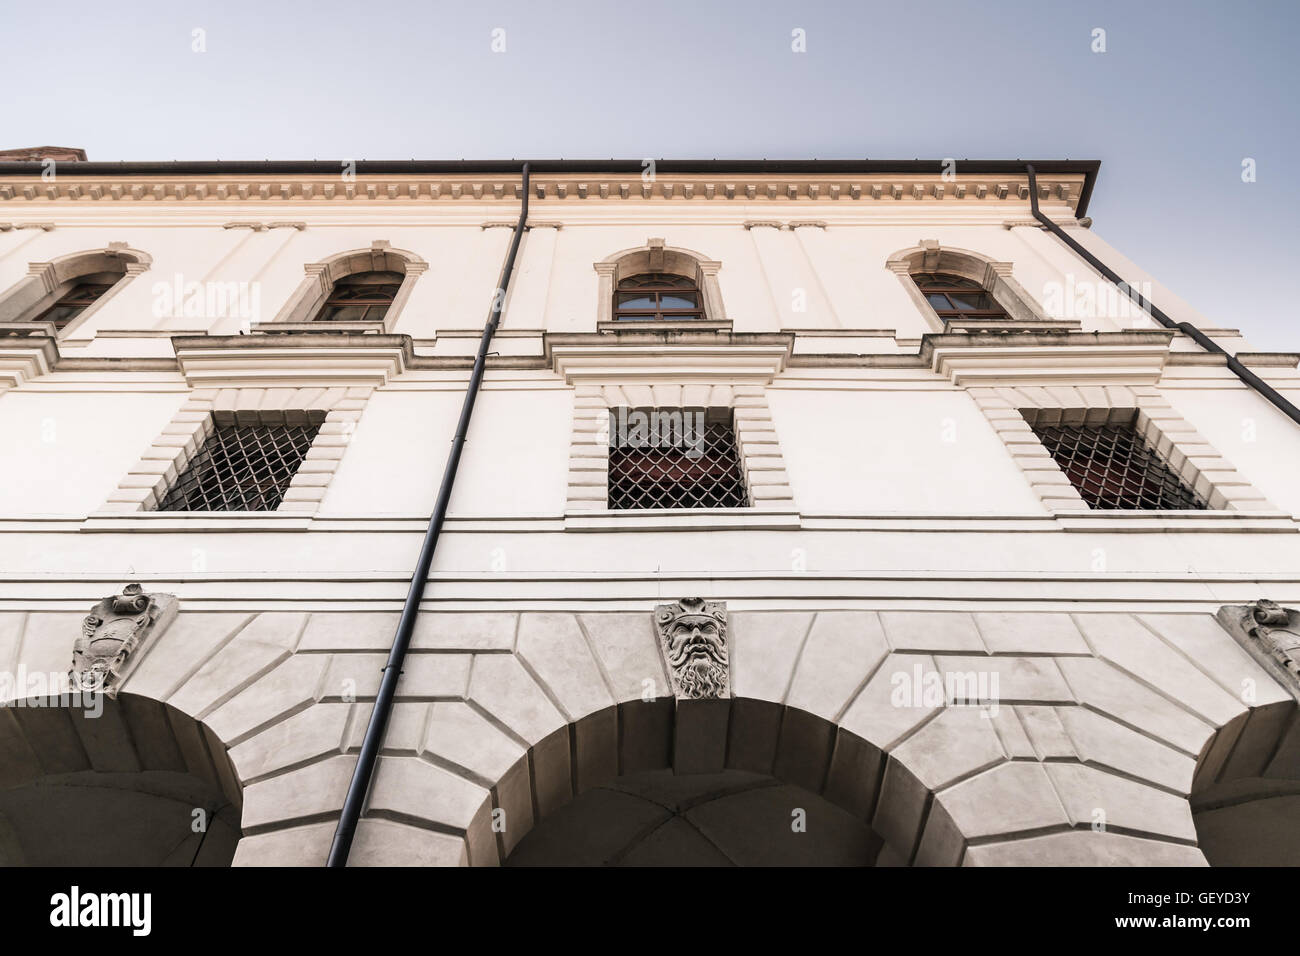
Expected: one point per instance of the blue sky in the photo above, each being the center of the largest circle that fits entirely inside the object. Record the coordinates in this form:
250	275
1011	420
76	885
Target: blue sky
1184	92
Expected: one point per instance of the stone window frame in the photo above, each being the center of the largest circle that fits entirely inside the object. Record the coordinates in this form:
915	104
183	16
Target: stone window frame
148	481
46	281
766	480
304	304
995	278
1010	409
655	256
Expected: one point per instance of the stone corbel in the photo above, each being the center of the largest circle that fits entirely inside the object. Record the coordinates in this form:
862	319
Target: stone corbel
930	256
379	253
112	634
656	247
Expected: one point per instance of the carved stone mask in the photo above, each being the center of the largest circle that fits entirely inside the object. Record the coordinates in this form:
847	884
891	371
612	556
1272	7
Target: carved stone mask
693	639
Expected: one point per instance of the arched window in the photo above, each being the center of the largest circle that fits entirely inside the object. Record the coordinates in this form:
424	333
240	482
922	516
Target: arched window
77	295
65	292
953	297
657	296
361	297
361	290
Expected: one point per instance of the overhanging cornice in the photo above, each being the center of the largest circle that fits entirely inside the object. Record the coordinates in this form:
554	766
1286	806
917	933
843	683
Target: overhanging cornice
1069	181
26	351
1049	358
318	359
668	357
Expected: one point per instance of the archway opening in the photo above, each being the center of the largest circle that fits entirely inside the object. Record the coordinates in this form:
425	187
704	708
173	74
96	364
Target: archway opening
1246	790
128	781
730	818
737	782
1249	822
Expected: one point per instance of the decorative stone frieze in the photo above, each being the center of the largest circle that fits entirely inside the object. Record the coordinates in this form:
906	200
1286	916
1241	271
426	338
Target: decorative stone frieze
104	655
693	640
1270	633
900	186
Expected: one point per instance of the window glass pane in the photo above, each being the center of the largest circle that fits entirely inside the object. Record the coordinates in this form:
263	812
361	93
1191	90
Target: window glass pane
61	315
343	313
636	302
656	280
679	301
938	300
966	301
84	294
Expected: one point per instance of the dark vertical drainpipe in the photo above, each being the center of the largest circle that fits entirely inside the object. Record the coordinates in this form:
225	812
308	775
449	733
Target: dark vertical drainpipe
370	746
1200	338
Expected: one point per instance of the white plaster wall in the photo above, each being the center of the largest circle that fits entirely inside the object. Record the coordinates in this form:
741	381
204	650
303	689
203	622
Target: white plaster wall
65	452
1261	442
890	450
515	462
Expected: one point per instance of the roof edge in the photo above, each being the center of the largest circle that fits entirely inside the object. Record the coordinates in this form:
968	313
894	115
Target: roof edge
1088	168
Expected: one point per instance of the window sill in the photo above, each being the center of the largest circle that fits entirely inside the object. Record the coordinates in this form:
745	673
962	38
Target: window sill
683	519
1145	521
190	521
1013	325
653	325
272	328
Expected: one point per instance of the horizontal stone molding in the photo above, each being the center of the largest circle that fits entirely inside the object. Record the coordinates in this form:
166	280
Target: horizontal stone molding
595	362
27	351
1048	358
907	188
325	360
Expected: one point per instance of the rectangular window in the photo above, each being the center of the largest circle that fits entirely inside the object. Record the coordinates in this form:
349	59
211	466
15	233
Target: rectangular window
674	458
242	467
1113	466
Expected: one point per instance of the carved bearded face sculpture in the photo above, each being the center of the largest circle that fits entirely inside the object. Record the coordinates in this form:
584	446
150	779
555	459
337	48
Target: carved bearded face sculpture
692	634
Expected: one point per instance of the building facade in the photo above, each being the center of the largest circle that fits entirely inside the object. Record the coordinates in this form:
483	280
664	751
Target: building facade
809	513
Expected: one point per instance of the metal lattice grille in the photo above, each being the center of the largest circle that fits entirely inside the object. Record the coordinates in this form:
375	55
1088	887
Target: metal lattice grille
673	458
241	468
1113	467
